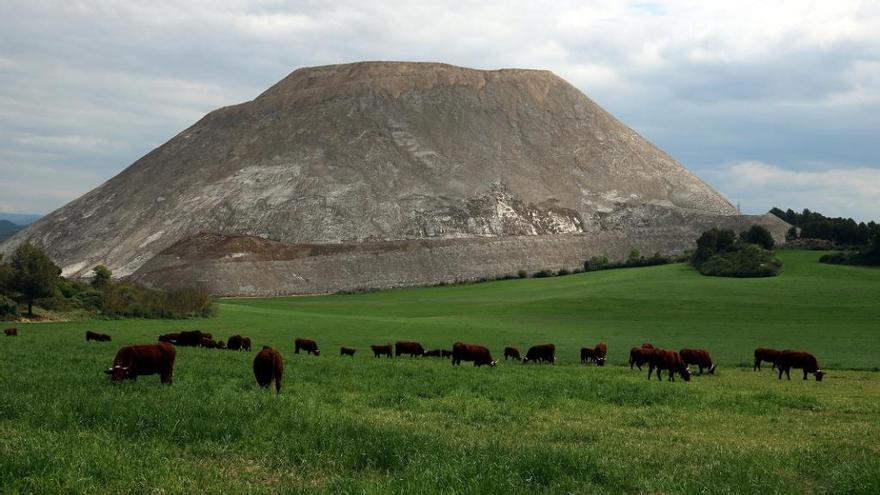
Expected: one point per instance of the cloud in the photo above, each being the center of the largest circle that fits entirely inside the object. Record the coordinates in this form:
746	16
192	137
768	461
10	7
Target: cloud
92	85
833	191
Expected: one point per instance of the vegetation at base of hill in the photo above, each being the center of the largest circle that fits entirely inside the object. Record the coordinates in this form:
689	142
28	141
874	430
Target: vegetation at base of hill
418	425
33	279
634	260
812	225
865	255
720	253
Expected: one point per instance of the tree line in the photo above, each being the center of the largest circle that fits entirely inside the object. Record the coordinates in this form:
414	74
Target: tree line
813	225
30	278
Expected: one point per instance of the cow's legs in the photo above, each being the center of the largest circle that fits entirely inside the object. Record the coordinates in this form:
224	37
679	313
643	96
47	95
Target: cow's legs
805	374
780	373
651	370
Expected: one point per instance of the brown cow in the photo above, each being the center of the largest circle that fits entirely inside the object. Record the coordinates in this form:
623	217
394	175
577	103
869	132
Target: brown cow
149	359
208	343
412	348
586	355
308	345
96	336
188	338
468	352
445	353
699	358
511	352
600	353
800	360
663	359
434	353
346	351
764	354
269	367
382	350
169	337
639	356
11	332
542	353
237	342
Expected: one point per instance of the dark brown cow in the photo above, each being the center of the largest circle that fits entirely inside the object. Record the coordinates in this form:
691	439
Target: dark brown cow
382	350
347	351
96	336
772	356
663	359
445	353
269	367
412	348
133	361
800	360
169	337
308	345
209	343
639	356
188	338
599	354
237	342
468	352
11	332
435	353
699	358
586	355
542	353
512	353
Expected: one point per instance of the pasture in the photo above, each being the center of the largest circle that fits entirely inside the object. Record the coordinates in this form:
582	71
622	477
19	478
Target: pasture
415	425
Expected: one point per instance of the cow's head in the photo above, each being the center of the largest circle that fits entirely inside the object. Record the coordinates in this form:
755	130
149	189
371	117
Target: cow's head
600	361
493	363
686	373
317	352
819	374
712	370
117	373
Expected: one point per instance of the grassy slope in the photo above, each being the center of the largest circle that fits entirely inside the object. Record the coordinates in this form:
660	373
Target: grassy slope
418	425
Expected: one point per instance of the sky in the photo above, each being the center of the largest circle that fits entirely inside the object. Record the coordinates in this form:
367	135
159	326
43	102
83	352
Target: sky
772	103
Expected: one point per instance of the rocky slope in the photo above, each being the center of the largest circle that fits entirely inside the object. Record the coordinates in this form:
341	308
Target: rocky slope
381	157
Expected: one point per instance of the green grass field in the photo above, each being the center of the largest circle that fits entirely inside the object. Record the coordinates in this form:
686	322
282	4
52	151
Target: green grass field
364	425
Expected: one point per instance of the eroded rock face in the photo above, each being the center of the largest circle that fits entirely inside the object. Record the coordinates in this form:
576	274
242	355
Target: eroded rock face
383	152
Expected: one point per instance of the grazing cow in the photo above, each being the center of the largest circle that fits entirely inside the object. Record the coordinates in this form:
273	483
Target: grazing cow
11	332
209	343
662	359
512	353
772	356
169	337
468	352
599	354
411	348
310	346
189	338
221	345
800	360
434	353
381	350
346	351
149	359
237	342
586	355
542	353
639	355
99	337
269	367
445	353
699	358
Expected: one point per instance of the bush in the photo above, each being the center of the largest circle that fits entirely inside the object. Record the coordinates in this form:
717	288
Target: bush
127	300
596	263
563	271
749	261
522	274
8	308
543	274
758	235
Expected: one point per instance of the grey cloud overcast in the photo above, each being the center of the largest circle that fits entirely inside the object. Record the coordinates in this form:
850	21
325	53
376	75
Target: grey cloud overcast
773	103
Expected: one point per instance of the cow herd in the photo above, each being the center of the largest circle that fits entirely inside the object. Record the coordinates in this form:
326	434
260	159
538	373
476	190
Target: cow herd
150	359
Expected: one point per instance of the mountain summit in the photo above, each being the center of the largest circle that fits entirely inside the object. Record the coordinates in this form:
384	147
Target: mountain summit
382	174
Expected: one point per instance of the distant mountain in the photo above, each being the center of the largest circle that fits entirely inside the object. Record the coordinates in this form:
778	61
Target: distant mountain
20	218
8	229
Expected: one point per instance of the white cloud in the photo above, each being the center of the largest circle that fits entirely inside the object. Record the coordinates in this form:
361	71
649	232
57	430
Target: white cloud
834	191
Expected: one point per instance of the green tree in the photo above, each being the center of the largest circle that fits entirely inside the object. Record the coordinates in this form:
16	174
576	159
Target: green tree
33	274
792	234
102	276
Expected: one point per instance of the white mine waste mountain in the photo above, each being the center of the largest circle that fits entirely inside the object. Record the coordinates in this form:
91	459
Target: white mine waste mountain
380	174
